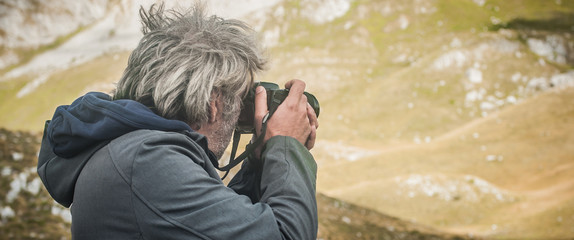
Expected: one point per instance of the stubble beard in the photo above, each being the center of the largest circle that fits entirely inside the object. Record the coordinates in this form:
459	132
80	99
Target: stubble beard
222	136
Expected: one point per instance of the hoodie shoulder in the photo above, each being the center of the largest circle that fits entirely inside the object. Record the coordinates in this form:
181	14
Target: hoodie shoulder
153	146
94	118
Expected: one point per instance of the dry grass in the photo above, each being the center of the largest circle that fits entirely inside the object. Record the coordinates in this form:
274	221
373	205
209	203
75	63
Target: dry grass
504	175
533	175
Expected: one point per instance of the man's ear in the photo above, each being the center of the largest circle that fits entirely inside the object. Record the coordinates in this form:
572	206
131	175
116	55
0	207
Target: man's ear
214	106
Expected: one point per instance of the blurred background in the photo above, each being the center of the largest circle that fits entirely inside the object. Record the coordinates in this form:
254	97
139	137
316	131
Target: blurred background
440	119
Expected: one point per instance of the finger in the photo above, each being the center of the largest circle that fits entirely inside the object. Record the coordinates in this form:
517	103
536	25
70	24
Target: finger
296	89
289	84
311	139
303	102
260	107
312	116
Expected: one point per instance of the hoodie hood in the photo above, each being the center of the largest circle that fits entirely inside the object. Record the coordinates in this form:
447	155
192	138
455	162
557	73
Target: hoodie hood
94	118
79	130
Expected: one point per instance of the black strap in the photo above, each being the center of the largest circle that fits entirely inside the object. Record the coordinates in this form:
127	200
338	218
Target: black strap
248	150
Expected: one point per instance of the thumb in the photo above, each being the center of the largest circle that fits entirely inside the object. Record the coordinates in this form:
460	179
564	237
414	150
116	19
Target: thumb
260	107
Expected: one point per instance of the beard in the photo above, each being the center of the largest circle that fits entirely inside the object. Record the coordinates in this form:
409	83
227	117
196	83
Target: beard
222	137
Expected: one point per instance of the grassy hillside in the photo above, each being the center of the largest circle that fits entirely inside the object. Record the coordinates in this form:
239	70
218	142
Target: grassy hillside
31	110
379	80
454	114
442	112
506	175
342	220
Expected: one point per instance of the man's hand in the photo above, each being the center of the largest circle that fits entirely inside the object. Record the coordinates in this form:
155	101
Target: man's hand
294	117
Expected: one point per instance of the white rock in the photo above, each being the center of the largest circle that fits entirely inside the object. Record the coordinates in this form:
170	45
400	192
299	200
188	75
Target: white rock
479	2
403	22
539	83
17	156
455	58
34	186
6	213
17	184
346	219
563	80
487	106
64	213
320	12
6	171
511	99
474	75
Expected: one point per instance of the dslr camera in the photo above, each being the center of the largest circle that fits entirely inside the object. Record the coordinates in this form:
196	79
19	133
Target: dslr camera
275	96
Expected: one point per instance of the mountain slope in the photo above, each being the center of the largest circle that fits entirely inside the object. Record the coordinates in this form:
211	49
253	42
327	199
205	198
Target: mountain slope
507	175
30	111
450	113
398	78
341	220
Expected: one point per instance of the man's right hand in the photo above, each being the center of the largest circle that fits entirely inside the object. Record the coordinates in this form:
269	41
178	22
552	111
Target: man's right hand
293	118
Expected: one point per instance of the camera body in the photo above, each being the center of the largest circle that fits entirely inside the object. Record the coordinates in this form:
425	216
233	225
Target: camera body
275	96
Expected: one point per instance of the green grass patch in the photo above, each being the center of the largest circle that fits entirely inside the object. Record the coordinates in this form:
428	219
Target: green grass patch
30	111
462	15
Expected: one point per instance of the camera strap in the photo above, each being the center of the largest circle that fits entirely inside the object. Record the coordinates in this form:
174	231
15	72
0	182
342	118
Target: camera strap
249	149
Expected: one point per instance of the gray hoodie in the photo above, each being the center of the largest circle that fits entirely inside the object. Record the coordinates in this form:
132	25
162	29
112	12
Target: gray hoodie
153	184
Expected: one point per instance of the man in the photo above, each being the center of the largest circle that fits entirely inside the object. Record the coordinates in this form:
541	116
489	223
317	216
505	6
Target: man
141	165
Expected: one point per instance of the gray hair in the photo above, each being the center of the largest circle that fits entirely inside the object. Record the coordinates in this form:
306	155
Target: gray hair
185	57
